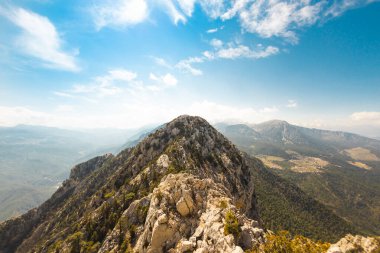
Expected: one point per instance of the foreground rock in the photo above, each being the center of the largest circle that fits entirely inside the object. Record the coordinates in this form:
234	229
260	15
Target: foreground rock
350	243
189	214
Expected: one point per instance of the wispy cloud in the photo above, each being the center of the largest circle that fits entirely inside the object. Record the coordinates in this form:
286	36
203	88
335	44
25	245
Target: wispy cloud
215	112
163	82
39	38
338	7
292	104
186	65
242	51
10	116
267	18
228	51
214	30
119	13
366	117
274	18
117	83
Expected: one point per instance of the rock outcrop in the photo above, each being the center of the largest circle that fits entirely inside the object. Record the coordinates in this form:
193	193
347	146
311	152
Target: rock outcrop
357	243
188	214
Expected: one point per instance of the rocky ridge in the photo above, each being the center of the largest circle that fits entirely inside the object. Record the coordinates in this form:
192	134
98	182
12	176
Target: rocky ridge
183	188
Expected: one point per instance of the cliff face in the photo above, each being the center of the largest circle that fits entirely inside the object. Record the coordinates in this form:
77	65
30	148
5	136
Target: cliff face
183	188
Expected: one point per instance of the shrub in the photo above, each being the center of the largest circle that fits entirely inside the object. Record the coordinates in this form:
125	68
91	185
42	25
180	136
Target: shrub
223	204
231	225
283	241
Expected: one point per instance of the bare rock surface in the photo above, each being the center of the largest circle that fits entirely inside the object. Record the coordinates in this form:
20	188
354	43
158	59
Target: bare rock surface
357	243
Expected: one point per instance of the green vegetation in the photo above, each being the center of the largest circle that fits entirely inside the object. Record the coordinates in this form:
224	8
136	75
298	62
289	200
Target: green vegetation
284	206
231	224
223	204
284	242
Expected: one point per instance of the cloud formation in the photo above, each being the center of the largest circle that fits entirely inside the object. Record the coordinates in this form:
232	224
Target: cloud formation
366	117
119	13
117	83
130	115
162	82
266	18
39	38
292	104
221	50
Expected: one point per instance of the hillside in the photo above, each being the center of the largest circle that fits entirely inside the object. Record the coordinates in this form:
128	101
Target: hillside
34	160
183	187
340	170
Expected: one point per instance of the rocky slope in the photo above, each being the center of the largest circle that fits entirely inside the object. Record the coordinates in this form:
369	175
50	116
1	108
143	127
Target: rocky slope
183	188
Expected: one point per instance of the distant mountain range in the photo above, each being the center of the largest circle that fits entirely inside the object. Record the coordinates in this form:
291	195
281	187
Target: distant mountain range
34	160
341	170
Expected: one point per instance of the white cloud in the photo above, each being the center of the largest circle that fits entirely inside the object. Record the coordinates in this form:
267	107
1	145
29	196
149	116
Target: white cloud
278	18
267	18
216	43
215	112
117	83
173	11
292	104
225	51
187	6
40	39
119	75
242	51
169	80
338	7
164	81
161	62
11	116
366	118
106	85
119	13
65	108
272	109
214	30
186	65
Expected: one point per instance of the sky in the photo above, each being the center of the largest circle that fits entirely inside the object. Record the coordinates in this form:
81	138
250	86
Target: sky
131	63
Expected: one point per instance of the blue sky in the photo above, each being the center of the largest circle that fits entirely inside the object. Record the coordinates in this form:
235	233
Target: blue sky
128	63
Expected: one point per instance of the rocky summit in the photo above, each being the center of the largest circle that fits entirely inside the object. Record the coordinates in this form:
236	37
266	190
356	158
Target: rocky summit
184	188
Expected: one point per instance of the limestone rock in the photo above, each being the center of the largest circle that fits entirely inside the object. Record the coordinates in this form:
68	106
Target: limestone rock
179	223
357	243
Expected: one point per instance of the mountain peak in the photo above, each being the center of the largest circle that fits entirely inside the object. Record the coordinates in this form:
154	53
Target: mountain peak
275	122
180	187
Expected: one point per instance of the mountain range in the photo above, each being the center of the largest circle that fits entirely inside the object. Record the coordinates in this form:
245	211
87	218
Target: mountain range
340	170
182	188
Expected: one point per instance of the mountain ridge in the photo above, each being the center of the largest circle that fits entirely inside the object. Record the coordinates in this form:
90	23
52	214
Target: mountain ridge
183	173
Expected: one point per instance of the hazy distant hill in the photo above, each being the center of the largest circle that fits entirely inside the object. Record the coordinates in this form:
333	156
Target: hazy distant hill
34	160
342	170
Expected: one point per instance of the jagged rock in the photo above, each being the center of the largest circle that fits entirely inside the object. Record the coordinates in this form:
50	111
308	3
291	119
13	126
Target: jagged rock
358	243
167	230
